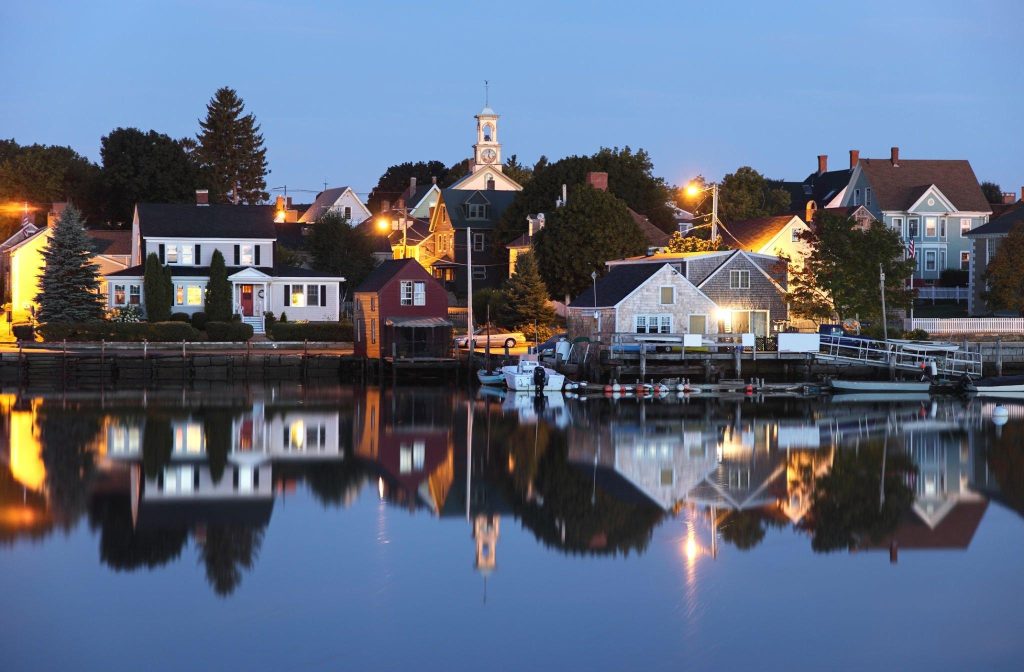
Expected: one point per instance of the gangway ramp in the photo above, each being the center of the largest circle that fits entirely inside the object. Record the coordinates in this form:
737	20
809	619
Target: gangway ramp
951	360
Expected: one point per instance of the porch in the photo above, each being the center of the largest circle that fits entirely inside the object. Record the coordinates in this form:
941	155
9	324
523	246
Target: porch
250	292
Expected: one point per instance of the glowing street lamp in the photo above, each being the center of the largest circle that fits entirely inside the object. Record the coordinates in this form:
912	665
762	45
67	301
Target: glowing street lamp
695	189
384	224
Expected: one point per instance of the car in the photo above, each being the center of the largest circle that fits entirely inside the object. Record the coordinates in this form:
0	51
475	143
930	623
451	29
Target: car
499	338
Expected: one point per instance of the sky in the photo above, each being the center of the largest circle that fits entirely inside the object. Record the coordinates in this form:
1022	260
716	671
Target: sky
345	89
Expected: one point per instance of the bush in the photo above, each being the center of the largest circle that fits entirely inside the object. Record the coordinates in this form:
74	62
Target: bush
129	314
543	331
916	335
311	331
954	277
284	316
269	320
119	331
179	317
199	320
24	332
228	331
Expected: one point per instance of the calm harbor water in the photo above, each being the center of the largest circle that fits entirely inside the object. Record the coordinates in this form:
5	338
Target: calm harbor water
296	528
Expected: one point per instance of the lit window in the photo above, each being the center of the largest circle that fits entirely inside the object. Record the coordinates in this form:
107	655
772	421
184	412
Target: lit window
965	261
246	257
931	226
134	295
119	295
668	296
419	294
298	295
295	435
179	295
194	295
965	226
171	254
186	254
739	279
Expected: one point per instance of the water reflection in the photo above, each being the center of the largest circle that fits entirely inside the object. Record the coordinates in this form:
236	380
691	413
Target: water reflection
166	476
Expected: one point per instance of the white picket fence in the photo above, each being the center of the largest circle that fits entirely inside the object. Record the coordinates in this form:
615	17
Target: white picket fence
968	325
933	294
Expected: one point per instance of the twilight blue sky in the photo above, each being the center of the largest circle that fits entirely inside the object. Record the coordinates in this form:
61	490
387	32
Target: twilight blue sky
344	89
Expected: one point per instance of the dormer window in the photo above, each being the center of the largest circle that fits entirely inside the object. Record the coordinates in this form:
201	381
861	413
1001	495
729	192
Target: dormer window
186	255
476	211
171	254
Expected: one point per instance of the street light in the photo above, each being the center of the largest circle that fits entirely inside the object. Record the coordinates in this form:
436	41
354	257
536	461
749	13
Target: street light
384	224
695	189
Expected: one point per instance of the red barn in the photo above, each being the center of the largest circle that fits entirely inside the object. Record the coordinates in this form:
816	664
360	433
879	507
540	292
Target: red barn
402	311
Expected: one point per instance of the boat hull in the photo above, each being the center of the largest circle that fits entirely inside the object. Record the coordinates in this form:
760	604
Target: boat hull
880	386
523	382
490	378
998	385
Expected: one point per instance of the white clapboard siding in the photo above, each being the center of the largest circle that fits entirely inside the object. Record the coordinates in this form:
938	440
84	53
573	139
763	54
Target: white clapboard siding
968	325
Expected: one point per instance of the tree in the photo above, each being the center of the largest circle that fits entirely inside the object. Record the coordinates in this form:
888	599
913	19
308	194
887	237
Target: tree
70	282
226	551
341	250
1005	275
395	180
517	171
231	150
526	296
158	290
140	166
218	290
630	177
678	243
745	194
993	192
840	277
456	172
43	174
592	228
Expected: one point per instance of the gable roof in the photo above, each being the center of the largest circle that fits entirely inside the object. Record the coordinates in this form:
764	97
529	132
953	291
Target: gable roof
1002	225
498	177
753	235
818	187
738	254
324	200
616	285
184	220
654	236
385	272
111	242
498	202
898	187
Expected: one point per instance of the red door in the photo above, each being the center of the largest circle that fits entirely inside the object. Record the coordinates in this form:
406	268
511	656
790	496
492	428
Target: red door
247	300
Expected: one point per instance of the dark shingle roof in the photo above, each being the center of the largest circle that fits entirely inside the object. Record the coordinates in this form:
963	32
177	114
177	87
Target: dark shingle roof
111	242
616	285
278	271
753	234
898	187
497	203
383	274
182	220
1000	226
820	188
654	236
289	234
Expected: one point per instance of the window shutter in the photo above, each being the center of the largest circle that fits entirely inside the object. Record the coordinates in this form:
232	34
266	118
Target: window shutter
323	295
238	255
161	252
199	255
287	295
257	247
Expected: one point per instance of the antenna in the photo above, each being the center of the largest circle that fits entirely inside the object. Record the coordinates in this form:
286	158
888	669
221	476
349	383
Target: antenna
487	93
325	184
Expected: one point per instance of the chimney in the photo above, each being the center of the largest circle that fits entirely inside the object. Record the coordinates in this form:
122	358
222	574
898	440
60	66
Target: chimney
1022	193
854	158
412	186
822	163
53	216
288	202
894	157
433	179
279	203
598	180
385	206
202	196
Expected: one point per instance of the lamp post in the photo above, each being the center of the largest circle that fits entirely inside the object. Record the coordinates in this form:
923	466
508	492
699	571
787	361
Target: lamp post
384	224
593	277
694	189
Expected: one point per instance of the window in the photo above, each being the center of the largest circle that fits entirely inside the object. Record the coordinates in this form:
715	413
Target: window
348	212
698	324
931	226
929	260
942	227
668	296
298	297
965	226
476	211
247	255
373	304
406	292
179	295
134	295
119	295
739	279
313	295
856	196
867	196
171	254
188	438
186	255
194	295
419	294
411	458
897	225
478	242
913	227
373	330
965	261
668	476
653	324
479	272
794	235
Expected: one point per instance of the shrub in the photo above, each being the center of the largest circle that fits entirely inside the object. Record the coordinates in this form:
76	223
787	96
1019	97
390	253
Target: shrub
171	331
311	331
269	320
24	332
127	314
284	316
119	331
228	331
916	335
199	320
179	317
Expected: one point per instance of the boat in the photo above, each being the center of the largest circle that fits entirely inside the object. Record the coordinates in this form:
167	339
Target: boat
880	397
919	386
995	385
495	377
525	376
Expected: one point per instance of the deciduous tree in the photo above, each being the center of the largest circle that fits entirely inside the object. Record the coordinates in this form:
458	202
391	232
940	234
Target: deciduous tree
993	192
44	174
744	194
231	150
70	283
1006	274
340	249
678	243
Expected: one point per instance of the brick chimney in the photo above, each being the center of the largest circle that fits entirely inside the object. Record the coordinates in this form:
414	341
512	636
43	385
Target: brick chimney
412	186
822	163
279	203
1022	193
53	216
598	180
854	158
894	156
202	196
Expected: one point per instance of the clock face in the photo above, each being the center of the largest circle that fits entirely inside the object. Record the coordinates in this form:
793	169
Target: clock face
488	155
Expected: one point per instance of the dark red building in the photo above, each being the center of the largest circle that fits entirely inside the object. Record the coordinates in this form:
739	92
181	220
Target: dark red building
401	311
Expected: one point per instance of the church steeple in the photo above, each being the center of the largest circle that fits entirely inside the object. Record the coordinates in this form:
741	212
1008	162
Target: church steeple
487	150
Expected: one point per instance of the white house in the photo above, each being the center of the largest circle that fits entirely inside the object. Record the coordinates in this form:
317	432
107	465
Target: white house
341	200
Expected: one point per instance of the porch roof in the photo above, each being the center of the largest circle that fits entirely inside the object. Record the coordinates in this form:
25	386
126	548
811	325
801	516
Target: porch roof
419	322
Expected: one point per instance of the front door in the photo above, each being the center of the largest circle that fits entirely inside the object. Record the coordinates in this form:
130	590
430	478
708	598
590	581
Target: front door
246	300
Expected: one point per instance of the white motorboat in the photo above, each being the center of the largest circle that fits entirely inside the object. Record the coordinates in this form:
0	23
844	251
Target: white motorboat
529	374
997	385
914	386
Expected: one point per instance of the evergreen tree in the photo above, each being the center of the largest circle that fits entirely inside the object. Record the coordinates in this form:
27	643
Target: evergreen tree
218	290
231	150
70	284
526	296
158	290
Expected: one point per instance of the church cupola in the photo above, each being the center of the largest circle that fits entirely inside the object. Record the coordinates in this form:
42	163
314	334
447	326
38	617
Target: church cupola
487	150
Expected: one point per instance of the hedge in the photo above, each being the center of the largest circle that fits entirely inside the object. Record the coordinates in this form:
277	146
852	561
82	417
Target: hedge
24	332
228	331
311	331
119	331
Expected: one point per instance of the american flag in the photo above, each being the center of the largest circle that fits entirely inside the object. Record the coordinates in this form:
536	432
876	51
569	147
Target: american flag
910	249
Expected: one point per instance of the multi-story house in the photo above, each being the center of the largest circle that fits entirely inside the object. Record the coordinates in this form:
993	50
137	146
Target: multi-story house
986	240
933	203
184	238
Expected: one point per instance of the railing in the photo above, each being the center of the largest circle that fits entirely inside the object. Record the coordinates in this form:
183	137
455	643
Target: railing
950	360
968	325
934	294
653	343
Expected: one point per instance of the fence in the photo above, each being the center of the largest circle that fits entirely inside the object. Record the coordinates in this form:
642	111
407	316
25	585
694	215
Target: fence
968	325
934	294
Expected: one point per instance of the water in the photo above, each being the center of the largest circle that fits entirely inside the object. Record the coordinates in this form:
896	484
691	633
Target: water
288	528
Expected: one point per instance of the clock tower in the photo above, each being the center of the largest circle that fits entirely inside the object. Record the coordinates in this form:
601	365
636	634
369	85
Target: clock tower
487	150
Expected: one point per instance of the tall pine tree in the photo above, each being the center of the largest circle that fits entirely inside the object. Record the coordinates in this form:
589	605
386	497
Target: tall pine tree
69	289
218	290
158	289
526	296
231	151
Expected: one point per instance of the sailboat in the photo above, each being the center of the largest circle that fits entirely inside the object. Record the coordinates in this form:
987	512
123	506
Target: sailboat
487	375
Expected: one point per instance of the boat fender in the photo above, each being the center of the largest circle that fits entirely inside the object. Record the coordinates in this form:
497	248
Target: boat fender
1000	415
616	387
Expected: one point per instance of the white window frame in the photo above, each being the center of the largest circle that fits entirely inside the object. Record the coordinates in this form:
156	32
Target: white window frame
405	293
124	295
689	322
856	196
739	279
170	254
348	212
479	272
931	226
867	195
913	227
310	301
476	211
298	297
965	226
794	235
965	258
246	255
661	295
943	228
187	256
661	323
931	260
134	295
179	295
196	298
479	242
419	293
897	224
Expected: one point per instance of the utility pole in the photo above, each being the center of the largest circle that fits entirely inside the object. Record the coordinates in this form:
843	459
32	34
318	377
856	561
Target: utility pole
714	212
885	321
469	291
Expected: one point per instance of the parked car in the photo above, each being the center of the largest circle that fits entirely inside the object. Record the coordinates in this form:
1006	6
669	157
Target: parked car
499	338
